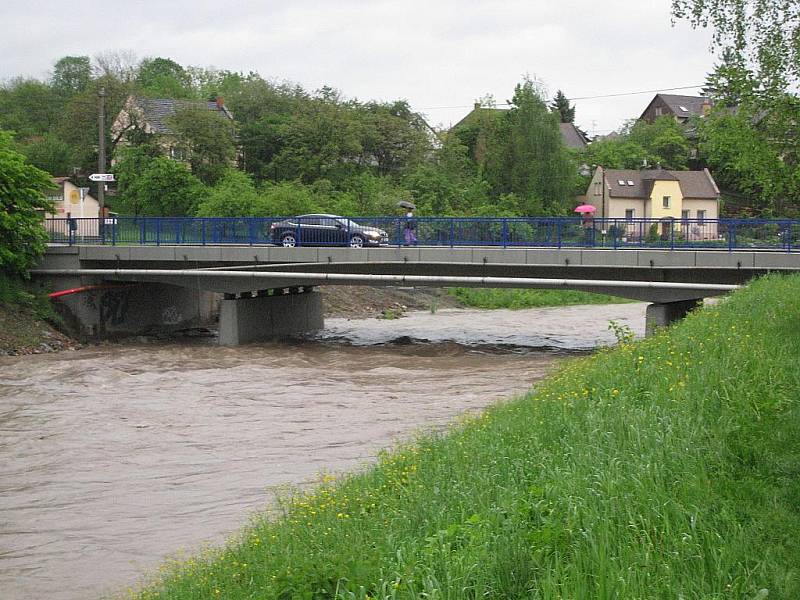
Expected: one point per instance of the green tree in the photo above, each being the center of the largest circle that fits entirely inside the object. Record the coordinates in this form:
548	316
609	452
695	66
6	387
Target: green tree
448	184
749	164
562	107
765	32
394	138
71	75
207	140
234	195
662	143
50	153
22	202
288	198
163	78
29	108
664	140
156	186
78	124
526	155
731	83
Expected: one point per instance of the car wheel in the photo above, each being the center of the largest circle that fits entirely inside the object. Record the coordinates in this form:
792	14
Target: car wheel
288	240
356	241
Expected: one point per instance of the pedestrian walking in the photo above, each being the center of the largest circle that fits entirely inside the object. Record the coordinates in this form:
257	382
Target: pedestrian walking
409	229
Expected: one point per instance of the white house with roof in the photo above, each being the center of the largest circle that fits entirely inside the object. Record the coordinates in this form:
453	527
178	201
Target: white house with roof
686	200
152	116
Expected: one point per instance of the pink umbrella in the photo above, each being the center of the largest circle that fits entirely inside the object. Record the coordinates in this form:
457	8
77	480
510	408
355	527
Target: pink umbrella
585	208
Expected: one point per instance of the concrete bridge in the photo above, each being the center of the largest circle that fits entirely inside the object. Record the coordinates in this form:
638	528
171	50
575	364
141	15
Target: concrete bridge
269	291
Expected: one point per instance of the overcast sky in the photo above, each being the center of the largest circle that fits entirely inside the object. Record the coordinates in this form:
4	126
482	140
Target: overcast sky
433	53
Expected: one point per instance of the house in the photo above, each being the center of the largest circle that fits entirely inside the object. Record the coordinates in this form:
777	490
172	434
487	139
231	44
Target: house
472	128
682	108
573	137
151	116
684	199
72	201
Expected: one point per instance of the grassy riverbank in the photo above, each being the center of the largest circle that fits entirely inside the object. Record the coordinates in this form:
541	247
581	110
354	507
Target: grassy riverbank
666	468
516	299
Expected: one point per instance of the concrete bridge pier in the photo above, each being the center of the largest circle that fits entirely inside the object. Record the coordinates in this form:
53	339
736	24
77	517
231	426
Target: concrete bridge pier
257	316
661	314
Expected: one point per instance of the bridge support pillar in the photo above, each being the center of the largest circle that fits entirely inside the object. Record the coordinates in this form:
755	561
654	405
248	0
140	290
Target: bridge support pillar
661	314
264	315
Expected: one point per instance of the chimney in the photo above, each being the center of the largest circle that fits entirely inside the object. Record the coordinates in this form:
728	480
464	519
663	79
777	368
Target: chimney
477	105
220	102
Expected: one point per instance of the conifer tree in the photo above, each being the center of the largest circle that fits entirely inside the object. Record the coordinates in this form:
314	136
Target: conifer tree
561	106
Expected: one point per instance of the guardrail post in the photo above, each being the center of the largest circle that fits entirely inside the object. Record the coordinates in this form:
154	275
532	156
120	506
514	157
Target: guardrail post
558	234
672	235
452	231
114	231
505	233
177	231
250	234
731	235
789	237
158	231
203	231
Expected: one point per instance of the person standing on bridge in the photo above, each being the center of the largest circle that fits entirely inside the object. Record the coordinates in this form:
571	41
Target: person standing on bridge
408	230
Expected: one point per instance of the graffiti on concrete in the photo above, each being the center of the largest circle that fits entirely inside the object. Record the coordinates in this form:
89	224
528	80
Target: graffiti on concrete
171	316
113	307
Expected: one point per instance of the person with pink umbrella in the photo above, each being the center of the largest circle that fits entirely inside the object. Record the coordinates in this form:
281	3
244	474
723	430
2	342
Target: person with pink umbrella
587	212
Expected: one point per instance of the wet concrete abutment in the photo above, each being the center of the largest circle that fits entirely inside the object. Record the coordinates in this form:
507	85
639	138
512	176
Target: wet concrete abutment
662	314
253	317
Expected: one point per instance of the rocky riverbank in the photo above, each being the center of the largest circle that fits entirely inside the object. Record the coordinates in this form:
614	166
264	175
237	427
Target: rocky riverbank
22	332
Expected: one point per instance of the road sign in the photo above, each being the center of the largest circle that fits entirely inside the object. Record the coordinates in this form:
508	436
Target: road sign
101	177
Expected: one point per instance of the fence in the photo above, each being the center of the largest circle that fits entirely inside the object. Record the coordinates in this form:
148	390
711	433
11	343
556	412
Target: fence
323	230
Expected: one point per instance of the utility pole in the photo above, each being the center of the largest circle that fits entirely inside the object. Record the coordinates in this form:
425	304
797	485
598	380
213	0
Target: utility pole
101	161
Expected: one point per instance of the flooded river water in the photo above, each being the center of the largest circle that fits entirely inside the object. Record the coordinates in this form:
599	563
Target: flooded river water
114	457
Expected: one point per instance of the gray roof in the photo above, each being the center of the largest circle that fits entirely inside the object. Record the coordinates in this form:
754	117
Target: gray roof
684	106
694	184
158	111
572	136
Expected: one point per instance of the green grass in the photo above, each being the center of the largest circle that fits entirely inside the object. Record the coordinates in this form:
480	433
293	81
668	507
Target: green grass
665	468
516	299
27	297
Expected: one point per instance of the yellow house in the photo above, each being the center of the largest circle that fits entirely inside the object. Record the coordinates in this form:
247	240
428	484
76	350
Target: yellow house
684	201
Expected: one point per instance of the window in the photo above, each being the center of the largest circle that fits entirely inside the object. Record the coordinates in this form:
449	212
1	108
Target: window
630	214
630	182
176	153
684	109
701	216
597	188
621	181
684	215
665	202
659	111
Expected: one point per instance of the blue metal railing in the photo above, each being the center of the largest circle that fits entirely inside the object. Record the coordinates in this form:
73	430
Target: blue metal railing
544	232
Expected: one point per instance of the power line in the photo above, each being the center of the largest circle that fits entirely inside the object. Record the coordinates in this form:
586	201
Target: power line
615	95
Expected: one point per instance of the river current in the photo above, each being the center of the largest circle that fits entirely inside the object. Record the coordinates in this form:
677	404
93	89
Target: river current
115	457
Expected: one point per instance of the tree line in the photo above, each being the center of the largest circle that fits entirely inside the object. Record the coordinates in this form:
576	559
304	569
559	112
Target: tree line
292	150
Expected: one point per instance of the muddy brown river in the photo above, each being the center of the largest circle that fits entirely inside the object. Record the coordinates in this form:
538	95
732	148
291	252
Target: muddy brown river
115	457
